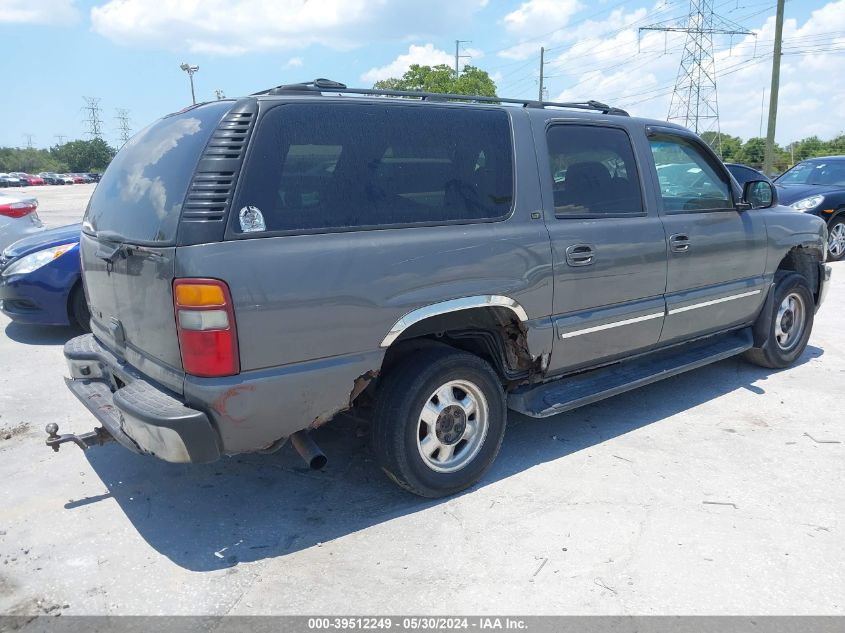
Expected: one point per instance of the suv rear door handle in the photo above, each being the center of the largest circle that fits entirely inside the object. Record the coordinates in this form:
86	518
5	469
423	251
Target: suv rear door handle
679	243
580	255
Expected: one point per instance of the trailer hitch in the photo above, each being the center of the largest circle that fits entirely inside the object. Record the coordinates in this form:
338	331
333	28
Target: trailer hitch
97	437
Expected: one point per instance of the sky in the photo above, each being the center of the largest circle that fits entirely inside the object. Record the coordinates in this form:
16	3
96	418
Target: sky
127	53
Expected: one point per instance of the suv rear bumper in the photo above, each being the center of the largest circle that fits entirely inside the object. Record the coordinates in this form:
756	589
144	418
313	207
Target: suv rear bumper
141	416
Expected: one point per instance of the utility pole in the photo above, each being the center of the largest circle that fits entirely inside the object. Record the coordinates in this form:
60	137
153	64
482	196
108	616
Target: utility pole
458	56
123	129
542	62
694	103
769	156
191	69
95	123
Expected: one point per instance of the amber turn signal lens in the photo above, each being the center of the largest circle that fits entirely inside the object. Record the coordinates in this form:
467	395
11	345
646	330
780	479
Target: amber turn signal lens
197	295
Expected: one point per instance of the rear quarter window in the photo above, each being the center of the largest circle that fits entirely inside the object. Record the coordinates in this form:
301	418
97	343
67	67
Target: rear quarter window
322	167
141	193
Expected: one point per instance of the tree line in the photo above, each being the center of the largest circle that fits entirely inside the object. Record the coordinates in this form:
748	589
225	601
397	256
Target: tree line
74	156
733	149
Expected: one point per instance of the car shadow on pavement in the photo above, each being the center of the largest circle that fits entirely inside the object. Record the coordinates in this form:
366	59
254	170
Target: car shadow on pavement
40	334
252	507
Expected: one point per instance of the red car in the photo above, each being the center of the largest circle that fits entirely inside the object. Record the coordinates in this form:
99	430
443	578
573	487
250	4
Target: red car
34	180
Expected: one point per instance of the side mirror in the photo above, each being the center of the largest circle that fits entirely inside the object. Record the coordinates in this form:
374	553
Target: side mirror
758	194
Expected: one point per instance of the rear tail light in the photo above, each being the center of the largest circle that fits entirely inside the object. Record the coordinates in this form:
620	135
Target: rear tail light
208	336
17	209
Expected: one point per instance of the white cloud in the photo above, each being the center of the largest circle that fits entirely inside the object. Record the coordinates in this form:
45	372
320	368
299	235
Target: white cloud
538	16
61	12
425	55
239	26
294	62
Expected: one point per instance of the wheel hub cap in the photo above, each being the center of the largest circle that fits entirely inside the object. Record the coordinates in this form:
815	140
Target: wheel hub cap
836	241
451	424
789	322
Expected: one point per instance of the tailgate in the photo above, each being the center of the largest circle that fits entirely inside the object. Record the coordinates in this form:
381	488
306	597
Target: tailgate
131	301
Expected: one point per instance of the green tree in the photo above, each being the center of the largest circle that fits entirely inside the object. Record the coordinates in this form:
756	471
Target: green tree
441	79
84	156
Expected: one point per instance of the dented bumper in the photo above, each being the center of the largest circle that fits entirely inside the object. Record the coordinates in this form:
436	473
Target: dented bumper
140	415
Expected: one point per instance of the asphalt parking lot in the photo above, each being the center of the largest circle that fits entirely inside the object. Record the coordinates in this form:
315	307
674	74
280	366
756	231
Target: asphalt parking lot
715	492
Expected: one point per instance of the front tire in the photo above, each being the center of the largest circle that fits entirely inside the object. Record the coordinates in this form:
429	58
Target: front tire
790	324
439	421
836	240
79	311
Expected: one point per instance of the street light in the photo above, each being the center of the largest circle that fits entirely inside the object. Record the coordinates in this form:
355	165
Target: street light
191	69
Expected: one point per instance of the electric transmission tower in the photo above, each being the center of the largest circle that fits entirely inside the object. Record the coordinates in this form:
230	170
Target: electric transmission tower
694	103
29	138
93	119
123	129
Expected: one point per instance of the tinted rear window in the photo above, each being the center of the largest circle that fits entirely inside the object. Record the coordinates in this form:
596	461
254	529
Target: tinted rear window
141	193
333	166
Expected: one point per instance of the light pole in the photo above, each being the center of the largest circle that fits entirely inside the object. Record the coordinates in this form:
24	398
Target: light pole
191	69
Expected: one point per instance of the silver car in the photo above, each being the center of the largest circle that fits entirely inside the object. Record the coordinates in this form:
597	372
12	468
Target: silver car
18	218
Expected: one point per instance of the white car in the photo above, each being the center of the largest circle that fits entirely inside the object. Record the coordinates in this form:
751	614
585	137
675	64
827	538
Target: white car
18	218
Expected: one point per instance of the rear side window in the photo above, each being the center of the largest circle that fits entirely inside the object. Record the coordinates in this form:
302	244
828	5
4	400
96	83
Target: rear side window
593	171
320	167
141	193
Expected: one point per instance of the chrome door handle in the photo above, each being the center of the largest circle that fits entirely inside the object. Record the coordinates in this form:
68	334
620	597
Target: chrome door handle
580	255
679	243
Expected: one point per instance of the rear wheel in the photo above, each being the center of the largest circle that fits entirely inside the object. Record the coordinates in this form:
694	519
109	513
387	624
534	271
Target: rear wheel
439	421
790	324
836	239
79	312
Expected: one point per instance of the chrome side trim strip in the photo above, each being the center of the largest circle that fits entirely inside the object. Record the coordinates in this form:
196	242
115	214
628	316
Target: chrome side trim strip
453	305
705	304
607	326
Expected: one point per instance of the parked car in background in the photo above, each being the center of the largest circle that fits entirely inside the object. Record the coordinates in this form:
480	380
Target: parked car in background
817	186
51	178
18	218
94	177
8	180
66	179
34	180
22	177
744	173
40	279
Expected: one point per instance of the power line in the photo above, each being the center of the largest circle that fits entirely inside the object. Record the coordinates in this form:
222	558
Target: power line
123	130
93	119
459	57
694	100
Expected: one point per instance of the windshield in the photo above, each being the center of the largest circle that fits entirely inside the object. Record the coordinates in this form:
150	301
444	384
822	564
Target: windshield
141	193
830	172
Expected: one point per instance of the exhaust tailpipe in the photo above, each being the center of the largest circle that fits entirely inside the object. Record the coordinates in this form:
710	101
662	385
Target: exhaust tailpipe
308	450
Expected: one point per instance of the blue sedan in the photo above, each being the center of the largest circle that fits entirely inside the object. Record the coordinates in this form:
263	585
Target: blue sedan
41	282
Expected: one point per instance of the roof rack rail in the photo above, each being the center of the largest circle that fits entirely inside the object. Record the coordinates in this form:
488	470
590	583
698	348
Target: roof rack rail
319	86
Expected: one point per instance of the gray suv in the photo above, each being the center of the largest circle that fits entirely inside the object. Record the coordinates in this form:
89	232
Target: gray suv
256	266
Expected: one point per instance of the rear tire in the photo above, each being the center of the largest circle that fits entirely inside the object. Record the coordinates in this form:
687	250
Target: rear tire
836	239
439	421
790	324
79	312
